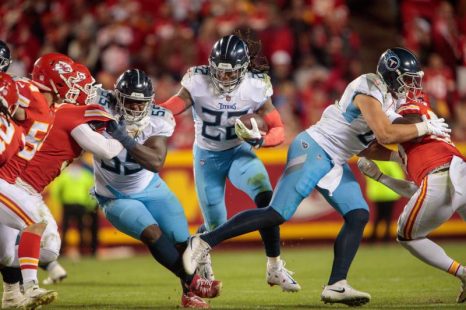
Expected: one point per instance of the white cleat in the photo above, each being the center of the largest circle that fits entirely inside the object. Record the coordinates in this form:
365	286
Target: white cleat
369	168
204	269
195	251
12	297
341	292
56	274
279	275
36	296
462	295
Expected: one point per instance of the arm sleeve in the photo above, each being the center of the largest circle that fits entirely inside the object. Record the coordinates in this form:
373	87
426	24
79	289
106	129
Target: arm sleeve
96	143
276	133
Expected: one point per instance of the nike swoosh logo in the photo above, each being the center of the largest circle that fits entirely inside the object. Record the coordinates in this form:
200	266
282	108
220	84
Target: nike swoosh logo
340	290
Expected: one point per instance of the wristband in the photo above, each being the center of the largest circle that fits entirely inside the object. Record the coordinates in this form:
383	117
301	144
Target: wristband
421	129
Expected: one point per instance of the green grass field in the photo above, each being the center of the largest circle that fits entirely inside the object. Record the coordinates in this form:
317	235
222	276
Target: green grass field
395	279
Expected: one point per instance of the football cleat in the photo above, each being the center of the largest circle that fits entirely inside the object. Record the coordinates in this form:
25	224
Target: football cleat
36	296
279	275
205	288
341	292
191	300
194	253
462	295
369	168
12	297
56	274
204	269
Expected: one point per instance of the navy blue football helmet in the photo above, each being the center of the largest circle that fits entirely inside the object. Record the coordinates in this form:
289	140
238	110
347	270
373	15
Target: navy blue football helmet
5	56
401	72
134	87
228	63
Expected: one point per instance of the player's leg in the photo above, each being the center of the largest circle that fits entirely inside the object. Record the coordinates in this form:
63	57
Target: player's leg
428	209
210	172
12	296
18	210
348	200
248	174
307	163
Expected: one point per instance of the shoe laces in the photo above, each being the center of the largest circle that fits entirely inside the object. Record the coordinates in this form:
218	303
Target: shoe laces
200	252
282	268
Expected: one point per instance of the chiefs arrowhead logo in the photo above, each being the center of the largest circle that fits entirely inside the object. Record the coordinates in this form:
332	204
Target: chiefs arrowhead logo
62	67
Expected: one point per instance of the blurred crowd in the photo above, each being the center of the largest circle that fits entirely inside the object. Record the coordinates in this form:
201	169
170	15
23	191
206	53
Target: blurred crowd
310	46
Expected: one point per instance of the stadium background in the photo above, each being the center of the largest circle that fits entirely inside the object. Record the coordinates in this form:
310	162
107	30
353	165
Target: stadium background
314	47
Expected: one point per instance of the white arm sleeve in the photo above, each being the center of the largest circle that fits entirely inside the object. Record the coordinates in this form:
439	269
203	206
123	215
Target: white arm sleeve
96	143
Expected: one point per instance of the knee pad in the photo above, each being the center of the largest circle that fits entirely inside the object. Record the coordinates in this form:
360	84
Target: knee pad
50	246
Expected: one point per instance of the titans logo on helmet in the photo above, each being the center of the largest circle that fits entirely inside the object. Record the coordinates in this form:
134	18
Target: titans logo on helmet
392	62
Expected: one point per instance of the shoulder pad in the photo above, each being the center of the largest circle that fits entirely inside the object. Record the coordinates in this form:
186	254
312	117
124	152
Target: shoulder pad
196	79
259	87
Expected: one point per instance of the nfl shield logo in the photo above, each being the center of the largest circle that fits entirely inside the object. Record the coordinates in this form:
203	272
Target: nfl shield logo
228	98
202	162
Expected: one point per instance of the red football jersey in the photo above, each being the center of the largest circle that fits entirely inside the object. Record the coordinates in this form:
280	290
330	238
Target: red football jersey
426	153
60	149
11	140
39	119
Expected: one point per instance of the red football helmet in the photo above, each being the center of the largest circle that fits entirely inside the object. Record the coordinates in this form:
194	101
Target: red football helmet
8	92
81	84
50	71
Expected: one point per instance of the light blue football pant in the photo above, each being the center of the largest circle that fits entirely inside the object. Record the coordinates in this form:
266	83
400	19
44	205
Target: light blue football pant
306	164
211	170
155	205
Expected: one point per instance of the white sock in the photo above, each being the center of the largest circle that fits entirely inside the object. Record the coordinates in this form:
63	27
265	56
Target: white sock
431	253
273	261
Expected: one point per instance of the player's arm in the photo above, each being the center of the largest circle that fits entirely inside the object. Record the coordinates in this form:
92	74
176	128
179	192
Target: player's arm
97	144
276	132
377	151
151	155
386	132
401	187
179	102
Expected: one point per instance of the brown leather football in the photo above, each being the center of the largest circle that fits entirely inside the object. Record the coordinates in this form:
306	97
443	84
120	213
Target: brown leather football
261	124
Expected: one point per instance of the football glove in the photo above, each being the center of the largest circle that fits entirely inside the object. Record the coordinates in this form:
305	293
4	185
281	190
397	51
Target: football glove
118	132
251	136
436	127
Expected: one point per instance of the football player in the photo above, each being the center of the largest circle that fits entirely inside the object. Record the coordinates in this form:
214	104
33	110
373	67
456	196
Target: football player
38	164
35	115
438	171
317	158
231	86
129	189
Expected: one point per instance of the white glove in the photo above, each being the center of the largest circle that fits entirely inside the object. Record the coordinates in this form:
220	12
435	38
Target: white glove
245	133
369	168
436	127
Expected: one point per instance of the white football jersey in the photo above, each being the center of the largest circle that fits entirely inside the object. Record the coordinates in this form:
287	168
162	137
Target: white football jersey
214	115
122	173
342	131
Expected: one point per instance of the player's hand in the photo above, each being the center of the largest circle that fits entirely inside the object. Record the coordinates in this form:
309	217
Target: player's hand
244	133
118	132
437	127
369	168
251	136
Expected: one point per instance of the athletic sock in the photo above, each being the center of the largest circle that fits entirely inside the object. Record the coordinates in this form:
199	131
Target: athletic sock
270	235
242	223
347	243
165	252
28	255
11	275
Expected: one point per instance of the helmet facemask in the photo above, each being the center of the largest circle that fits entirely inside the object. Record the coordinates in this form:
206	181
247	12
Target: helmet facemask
226	78
410	85
5	63
125	103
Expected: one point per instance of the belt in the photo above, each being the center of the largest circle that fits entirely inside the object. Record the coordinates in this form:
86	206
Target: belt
442	168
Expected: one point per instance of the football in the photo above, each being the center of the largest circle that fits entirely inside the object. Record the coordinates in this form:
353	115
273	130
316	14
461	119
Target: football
261	124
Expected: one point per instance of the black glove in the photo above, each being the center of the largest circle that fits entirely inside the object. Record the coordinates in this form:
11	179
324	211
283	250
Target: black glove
256	143
118	132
